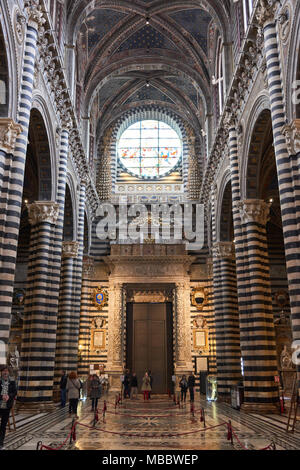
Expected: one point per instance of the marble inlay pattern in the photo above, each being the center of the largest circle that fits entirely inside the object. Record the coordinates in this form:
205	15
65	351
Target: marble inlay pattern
149	430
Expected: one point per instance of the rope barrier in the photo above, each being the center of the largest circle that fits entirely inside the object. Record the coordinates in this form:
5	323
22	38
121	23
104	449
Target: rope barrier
72	434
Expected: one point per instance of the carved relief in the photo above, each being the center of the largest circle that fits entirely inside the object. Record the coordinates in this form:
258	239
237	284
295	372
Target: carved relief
9	131
292	135
70	249
254	211
19	25
284	21
223	250
266	10
43	212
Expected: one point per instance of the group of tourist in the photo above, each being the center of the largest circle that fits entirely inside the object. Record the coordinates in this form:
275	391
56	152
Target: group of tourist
130	385
187	384
71	386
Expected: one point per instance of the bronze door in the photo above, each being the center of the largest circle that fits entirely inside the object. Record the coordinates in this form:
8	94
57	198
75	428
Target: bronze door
149	345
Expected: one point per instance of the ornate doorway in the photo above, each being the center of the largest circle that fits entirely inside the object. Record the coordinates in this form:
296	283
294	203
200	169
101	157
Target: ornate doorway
150	343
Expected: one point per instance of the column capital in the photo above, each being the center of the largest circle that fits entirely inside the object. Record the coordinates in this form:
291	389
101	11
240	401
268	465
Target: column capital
266	11
34	13
292	136
223	250
9	131
43	211
70	249
254	211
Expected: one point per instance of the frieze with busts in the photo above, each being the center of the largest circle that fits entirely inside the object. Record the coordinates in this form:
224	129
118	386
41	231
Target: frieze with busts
43	212
292	135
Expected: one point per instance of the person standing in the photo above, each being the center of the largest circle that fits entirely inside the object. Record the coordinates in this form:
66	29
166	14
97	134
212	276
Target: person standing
183	384
134	385
63	388
73	391
126	384
146	387
8	392
95	392
191	386
151	382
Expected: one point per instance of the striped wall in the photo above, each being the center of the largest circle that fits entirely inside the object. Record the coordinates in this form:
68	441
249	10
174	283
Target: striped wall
288	175
12	177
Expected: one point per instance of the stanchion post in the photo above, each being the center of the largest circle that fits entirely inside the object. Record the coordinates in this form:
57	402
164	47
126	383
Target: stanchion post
229	433
39	445
203	413
71	435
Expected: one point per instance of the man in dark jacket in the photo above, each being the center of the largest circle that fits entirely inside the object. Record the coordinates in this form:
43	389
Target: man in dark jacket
8	391
63	388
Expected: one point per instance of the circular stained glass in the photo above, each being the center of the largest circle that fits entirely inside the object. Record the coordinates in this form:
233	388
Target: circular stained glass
149	149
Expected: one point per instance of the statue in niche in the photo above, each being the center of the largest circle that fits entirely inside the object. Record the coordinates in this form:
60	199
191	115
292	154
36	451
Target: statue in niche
14	357
286	359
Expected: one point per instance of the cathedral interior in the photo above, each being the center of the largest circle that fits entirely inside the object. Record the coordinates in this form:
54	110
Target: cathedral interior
150	219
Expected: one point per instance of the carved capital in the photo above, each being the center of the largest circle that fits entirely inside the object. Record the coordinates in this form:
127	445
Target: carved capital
70	249
254	211
266	11
292	136
9	131
34	13
43	212
223	250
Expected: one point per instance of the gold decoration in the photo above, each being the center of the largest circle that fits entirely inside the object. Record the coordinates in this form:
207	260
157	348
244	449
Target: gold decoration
100	298
200	337
199	298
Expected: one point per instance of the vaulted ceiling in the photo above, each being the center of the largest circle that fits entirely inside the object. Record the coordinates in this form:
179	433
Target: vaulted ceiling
141	52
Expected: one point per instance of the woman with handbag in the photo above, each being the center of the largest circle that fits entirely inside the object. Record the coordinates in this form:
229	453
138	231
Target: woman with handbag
73	391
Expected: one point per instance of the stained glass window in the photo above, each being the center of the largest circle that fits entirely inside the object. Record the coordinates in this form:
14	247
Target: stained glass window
149	149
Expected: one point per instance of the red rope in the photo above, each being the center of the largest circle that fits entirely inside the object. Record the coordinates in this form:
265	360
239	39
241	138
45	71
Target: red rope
71	433
152	435
151	416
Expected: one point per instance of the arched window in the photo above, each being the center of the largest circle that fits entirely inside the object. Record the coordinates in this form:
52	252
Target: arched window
219	80
149	149
247	12
2	92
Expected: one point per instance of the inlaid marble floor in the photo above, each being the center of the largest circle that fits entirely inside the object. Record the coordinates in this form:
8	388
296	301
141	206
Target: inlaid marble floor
156	425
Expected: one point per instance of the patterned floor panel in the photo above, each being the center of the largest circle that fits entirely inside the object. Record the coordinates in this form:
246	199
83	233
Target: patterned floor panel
156	425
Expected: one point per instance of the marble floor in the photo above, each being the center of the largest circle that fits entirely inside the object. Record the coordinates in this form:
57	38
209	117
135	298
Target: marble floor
154	425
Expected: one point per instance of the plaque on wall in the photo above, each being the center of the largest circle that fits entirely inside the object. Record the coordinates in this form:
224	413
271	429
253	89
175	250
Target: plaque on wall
201	339
201	364
98	340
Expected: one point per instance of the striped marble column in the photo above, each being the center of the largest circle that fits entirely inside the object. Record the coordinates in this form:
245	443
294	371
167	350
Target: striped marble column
226	318
66	344
77	270
209	308
12	164
85	319
258	343
40	312
287	160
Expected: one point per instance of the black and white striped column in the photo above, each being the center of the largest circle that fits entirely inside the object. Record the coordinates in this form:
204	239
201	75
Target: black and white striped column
288	165
66	346
40	312
258	342
85	316
226	318
77	270
12	174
